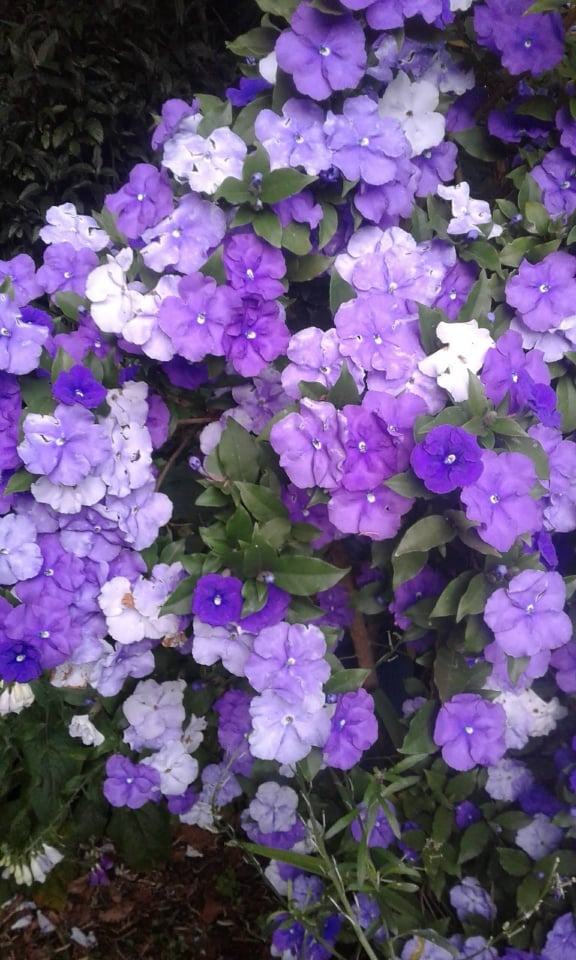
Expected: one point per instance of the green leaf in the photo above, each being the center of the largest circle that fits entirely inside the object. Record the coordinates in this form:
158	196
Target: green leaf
447	603
344	390
536	215
238	452
306	268
68	303
301	860
239	527
566	402
542	6
274	532
180	600
442	824
478	302
477	399
280	184
345	681
515	862
212	497
142	837
529	893
280	8
425	534
474	599
533	450
474	840
328	225
407	566
513	253
304	576
476	142
62	362
296	238
19	482
340	291
255	43
234	191
483	253
407	485
453	675
419	739
262	503
267	226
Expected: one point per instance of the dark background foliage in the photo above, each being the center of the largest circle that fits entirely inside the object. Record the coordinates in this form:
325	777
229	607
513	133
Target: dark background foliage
79	84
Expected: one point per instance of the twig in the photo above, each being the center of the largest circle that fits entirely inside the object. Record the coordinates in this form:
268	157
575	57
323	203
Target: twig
169	463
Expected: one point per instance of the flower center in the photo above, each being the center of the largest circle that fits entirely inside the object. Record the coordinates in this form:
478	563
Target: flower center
452	295
544	287
316	444
530	608
299	138
4	332
364	142
451	458
251	335
494	498
217	600
201	318
67	274
129	779
362	446
324	51
250	274
528	43
370	497
20	658
469	730
290	662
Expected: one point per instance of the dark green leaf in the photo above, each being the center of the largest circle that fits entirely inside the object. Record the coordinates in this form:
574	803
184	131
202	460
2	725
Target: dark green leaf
238	452
476	143
515	862
425	534
344	390
304	576
447	603
301	860
340	291
483	253
419	740
280	184
267	226
19	482
474	600
239	527
262	503
566	402
345	681
180	600
306	268
474	840
142	837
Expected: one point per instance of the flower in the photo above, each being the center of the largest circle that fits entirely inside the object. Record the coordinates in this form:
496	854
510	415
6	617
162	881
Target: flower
353	730
130	784
217	600
143	201
78	385
448	457
470	899
500	499
82	727
466	346
321	52
470	731
274	807
413	105
378	821
527	616
289	659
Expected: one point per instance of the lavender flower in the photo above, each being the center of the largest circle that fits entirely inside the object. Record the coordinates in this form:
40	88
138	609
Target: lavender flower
365	145
130	784
527	617
470	899
470	731
289	659
500	499
448	457
353	730
310	444
321	52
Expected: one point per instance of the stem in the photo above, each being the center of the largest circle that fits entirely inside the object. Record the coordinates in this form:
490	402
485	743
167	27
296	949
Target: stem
169	463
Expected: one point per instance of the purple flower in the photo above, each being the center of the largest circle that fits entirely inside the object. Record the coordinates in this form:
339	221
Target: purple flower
20	342
315	356
78	385
195	320
271	613
289	659
436	165
447	458
532	42
527	617
336	605
365	146
66	268
143	201
301	208
556	176
186	237
470	899
310	444
542	293
353	730
20	555
217	600
234	722
64	447
274	808
375	513
370	450
540	837
130	784
46	628
173	111
470	731
246	91
561	939
500	499
323	53
21	271
377	821
456	286
286	732
465	814
507	369
252	339
297	138
253	266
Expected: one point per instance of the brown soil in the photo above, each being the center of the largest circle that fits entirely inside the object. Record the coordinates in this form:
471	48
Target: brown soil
209	906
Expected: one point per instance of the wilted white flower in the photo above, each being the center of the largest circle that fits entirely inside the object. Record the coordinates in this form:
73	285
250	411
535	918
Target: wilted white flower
15	697
82	727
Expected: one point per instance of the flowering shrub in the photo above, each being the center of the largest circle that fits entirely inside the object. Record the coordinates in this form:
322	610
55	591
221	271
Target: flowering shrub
288	458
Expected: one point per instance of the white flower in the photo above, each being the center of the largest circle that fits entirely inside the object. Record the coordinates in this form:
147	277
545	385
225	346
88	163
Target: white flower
36	870
527	715
205	162
107	290
66	225
69	500
467	214
414	106
15	697
274	807
268	67
176	767
466	346
82	727
193	735
460	4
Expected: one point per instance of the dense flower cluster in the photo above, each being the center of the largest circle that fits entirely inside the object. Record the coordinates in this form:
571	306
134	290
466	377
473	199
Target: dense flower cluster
304	394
